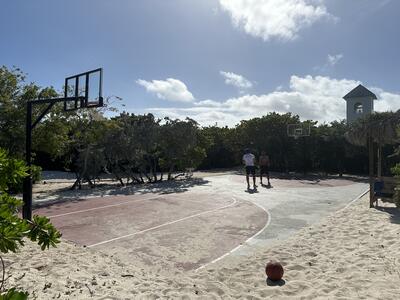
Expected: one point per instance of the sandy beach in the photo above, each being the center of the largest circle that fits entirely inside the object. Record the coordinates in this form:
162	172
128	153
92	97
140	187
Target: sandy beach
352	254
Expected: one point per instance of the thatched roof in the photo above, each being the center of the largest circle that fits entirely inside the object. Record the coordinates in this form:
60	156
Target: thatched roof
383	127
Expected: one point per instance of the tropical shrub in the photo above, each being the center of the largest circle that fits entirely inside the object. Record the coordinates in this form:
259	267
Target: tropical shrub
13	229
396	172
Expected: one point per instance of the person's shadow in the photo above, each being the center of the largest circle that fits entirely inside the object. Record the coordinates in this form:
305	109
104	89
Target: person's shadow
275	282
251	191
267	186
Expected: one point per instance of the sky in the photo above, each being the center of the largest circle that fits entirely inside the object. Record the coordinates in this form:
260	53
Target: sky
216	61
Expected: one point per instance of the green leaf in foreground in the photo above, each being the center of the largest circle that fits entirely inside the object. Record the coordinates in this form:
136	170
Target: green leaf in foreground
12	294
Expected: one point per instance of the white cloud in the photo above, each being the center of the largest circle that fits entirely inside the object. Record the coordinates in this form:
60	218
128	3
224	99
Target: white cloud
318	98
331	61
236	80
282	19
334	59
169	89
209	103
387	101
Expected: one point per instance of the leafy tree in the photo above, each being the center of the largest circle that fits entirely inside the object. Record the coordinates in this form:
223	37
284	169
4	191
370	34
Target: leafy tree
179	140
84	152
13	230
220	146
14	93
131	147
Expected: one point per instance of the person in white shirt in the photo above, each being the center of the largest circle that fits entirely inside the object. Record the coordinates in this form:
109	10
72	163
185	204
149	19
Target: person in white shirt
249	162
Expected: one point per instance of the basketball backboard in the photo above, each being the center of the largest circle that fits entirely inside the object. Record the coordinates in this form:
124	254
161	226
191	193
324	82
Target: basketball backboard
86	88
298	130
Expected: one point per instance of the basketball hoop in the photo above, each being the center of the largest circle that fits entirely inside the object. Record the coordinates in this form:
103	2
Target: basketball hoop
81	91
299	130
86	88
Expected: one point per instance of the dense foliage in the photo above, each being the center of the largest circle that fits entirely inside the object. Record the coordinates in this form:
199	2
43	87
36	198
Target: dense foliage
142	148
13	230
396	173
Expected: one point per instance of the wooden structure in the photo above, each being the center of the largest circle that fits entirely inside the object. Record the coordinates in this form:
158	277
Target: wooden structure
373	131
380	187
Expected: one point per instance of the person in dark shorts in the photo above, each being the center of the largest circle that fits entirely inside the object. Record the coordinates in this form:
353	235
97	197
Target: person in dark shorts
264	163
249	162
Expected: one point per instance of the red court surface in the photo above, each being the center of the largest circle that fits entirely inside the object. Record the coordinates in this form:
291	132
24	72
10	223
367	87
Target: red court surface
177	231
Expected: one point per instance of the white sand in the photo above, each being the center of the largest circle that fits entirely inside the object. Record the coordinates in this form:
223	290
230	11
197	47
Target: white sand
353	254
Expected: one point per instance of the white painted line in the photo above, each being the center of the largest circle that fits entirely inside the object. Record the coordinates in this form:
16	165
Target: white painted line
241	245
163	225
354	200
103	207
265	227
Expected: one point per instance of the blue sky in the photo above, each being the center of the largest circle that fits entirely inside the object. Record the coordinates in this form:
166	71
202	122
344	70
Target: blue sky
217	61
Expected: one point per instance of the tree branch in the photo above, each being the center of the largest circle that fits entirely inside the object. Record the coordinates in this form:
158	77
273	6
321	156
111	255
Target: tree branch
3	274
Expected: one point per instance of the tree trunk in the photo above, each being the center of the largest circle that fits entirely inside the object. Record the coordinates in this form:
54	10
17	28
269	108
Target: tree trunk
147	176
171	169
179	175
77	183
379	161
120	180
371	171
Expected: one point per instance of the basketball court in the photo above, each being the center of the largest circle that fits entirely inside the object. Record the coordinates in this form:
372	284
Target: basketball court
189	230
193	228
181	231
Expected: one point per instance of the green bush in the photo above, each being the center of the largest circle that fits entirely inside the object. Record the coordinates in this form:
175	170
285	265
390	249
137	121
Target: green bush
396	172
36	173
16	186
12	294
13	229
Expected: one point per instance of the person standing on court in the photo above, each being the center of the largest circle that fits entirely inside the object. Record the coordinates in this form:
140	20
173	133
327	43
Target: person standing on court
264	163
249	162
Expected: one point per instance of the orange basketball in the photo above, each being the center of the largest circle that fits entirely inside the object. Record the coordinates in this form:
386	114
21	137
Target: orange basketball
274	270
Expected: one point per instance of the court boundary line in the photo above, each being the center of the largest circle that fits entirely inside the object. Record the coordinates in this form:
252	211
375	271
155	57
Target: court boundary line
265	227
354	200
245	242
103	207
164	224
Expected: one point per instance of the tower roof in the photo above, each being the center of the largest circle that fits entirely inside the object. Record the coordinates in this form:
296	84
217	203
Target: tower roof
359	92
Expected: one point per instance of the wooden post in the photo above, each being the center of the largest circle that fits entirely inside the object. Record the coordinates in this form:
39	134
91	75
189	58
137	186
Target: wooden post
379	161
371	170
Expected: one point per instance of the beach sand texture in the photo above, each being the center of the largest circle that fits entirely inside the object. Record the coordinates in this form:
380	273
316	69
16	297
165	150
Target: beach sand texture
352	254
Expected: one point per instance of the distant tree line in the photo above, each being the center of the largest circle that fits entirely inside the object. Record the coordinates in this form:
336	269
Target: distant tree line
142	148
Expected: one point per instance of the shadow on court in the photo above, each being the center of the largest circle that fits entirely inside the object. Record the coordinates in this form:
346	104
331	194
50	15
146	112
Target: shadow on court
311	178
158	188
393	212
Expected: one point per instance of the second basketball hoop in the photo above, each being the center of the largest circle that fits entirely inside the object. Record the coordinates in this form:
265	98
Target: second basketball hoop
299	130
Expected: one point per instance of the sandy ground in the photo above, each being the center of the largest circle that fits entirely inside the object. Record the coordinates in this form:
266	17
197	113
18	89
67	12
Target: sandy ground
352	254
